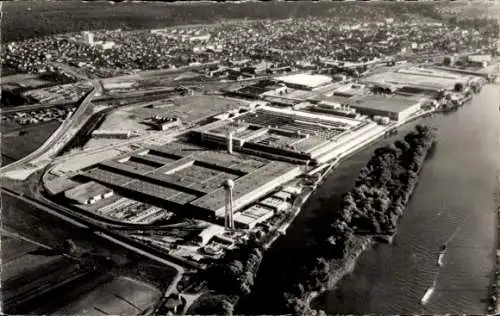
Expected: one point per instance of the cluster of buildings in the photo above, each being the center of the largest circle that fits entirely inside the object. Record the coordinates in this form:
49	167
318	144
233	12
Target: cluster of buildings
35	117
70	92
235	173
239	172
301	42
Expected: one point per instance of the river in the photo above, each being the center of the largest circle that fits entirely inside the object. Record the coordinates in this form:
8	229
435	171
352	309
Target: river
455	196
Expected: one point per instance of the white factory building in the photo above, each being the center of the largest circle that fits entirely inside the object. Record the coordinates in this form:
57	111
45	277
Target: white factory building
305	81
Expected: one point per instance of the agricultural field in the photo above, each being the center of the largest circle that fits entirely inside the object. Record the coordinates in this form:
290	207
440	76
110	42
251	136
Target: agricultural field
133	277
120	296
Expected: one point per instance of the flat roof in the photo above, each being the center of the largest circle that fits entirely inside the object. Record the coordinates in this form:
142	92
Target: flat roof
256	211
255	184
307	80
391	104
336	99
416	77
86	191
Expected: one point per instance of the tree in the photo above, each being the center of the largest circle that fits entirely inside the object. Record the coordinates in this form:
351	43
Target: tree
227	307
402	145
68	246
459	87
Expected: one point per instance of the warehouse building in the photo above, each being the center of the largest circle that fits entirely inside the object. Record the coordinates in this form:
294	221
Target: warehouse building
279	133
183	177
423	78
305	81
118	134
88	193
275	204
394	107
252	216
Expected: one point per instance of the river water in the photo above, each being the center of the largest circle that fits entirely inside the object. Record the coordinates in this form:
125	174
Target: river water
455	196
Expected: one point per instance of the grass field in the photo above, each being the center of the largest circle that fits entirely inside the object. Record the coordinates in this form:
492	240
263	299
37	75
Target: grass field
15	146
27	19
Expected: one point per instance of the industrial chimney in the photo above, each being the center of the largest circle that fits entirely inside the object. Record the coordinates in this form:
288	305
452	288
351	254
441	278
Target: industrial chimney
230	142
228	221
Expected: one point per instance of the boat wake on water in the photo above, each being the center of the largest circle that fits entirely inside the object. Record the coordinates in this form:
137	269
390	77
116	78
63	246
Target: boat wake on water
430	291
444	247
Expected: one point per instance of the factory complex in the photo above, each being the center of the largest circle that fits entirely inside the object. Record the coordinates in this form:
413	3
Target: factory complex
238	172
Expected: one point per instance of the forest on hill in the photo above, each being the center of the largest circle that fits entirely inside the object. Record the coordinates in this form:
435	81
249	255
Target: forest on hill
28	19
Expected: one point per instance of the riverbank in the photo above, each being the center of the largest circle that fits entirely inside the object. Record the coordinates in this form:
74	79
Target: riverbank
494	290
362	244
391	279
347	264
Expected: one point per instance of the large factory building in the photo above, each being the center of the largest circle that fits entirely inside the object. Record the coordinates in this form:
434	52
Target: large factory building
396	108
179	176
305	81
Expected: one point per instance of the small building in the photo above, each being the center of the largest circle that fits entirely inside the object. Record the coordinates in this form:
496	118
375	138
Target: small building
88	193
208	233
479	59
275	204
252	216
119	134
282	195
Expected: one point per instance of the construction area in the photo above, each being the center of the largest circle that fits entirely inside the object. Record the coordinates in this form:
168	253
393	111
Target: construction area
147	118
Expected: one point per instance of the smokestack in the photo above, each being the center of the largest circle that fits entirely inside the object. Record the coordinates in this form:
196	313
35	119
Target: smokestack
230	142
228	221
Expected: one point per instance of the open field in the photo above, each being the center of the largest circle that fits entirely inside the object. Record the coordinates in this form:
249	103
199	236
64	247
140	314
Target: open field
26	220
31	81
29	269
189	109
16	146
28	19
121	296
19	256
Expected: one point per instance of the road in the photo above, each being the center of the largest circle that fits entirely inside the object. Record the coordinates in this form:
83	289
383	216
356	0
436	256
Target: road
41	157
33	107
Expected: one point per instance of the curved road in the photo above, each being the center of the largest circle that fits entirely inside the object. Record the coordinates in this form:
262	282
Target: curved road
58	139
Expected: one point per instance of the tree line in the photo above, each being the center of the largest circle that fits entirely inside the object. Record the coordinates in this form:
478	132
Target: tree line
232	277
373	206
